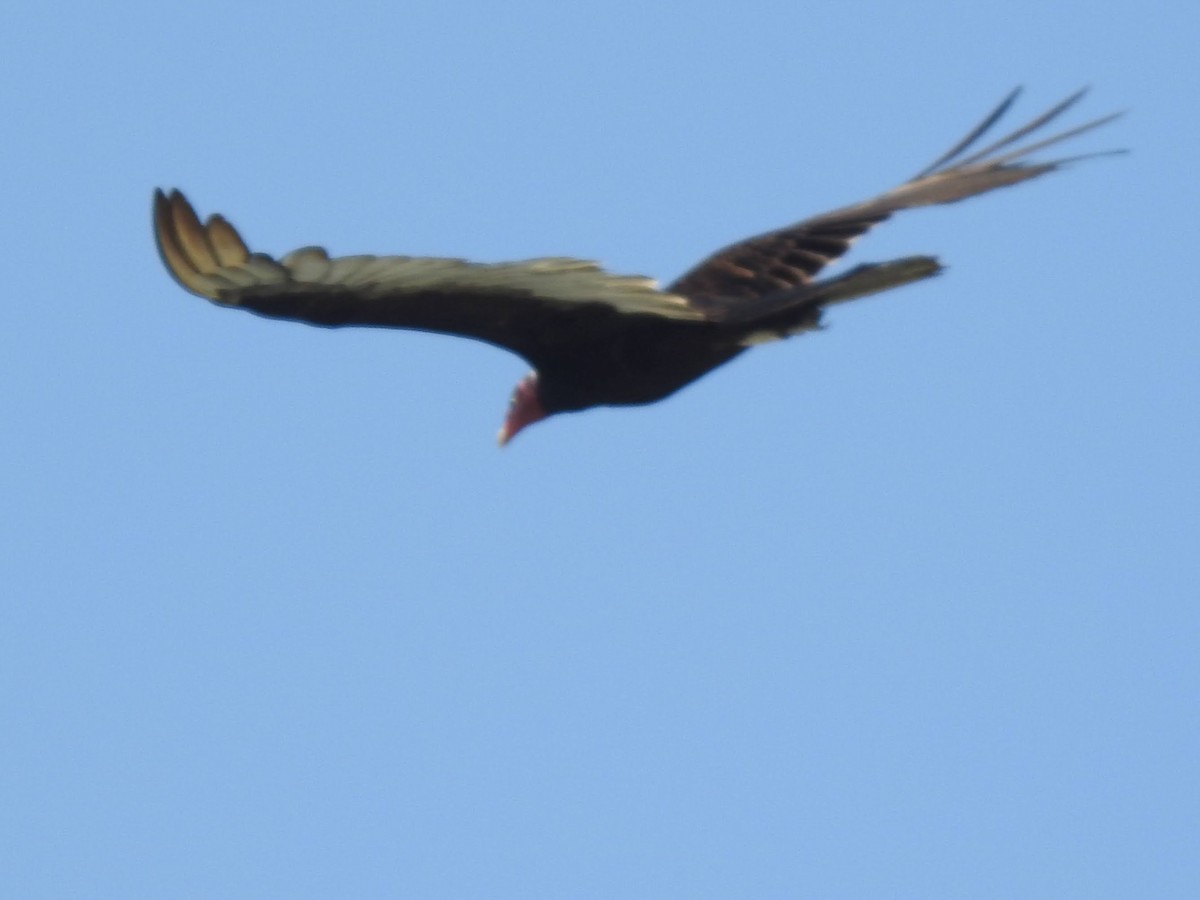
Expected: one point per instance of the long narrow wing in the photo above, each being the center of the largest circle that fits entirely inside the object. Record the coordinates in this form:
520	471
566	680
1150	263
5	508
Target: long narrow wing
537	308
792	256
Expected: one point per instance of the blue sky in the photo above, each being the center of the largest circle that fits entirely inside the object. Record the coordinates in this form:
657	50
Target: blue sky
903	609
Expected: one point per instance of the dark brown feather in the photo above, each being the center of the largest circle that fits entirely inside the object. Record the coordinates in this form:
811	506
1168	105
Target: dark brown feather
597	338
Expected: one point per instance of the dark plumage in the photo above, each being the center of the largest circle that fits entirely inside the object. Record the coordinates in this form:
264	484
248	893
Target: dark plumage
593	338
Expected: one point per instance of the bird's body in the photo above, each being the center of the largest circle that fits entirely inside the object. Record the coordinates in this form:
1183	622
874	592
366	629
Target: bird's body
593	338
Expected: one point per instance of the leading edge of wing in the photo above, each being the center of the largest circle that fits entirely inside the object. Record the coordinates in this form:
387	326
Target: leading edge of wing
211	260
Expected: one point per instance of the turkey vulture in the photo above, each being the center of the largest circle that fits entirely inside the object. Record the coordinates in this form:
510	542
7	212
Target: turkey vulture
594	338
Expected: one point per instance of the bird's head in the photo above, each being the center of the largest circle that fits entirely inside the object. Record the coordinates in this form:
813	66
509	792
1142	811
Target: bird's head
524	408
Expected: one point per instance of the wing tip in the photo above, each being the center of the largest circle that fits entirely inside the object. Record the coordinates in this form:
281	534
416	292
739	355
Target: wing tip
194	252
990	154
170	251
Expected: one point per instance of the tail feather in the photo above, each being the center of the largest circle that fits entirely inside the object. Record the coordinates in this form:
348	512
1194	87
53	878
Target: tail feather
789	312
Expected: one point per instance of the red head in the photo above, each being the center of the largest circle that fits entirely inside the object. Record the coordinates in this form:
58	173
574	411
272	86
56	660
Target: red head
525	408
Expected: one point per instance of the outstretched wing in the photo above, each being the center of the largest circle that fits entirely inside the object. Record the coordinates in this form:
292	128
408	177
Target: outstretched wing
537	308
791	257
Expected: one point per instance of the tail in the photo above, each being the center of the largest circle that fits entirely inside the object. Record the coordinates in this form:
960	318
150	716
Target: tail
785	313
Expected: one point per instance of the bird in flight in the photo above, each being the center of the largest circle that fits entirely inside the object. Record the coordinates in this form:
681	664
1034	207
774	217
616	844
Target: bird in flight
592	337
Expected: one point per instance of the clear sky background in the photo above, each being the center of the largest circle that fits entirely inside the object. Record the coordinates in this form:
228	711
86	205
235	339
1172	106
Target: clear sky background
906	609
